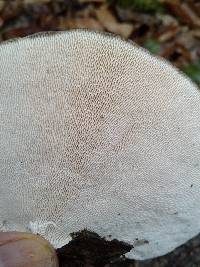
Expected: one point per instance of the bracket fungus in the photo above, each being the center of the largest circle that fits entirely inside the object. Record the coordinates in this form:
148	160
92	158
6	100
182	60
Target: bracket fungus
96	133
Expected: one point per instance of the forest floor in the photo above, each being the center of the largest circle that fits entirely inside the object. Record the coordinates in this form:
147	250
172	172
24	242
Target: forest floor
168	28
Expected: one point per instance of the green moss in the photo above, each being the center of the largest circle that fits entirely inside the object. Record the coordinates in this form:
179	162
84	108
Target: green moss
193	71
142	5
152	45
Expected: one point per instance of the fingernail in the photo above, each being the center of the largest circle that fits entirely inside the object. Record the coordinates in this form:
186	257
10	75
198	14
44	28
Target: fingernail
26	250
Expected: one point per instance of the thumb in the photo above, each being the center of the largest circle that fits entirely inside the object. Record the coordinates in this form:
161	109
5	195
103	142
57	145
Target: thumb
26	250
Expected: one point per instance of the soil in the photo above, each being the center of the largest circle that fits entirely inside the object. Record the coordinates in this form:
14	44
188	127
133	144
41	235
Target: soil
88	249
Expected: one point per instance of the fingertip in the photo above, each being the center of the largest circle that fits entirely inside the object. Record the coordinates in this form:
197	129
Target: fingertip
26	250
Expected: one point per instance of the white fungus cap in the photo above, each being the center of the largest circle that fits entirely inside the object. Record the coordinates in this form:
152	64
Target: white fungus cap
97	133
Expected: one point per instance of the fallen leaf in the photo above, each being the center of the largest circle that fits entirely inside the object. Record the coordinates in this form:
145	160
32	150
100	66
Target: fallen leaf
177	53
196	33
83	23
36	1
167	20
110	23
169	33
185	13
1	21
187	39
2	3
92	1
191	14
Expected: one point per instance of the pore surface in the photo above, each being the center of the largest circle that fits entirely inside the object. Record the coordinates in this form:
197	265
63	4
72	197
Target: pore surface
96	133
